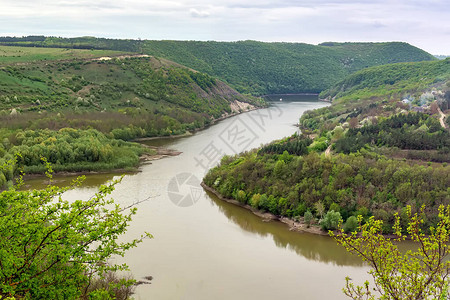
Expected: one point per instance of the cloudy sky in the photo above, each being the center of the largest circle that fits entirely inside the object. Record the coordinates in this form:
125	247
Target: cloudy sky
422	23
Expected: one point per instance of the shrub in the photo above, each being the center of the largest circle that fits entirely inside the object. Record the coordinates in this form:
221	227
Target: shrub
331	220
351	224
241	196
308	218
254	201
51	247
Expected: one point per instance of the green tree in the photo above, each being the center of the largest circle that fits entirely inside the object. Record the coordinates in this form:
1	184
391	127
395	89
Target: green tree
50	248
351	224
420	274
308	218
331	220
320	209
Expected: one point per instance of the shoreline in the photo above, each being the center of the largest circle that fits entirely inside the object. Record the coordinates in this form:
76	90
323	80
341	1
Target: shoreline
267	217
191	132
161	152
297	226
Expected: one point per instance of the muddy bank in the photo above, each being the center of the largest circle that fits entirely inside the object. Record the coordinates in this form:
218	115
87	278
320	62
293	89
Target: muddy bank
160	153
267	217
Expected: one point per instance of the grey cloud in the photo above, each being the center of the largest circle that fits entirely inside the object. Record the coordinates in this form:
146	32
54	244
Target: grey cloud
422	23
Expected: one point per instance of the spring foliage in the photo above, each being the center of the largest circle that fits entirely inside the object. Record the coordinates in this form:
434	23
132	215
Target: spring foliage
420	274
50	247
355	184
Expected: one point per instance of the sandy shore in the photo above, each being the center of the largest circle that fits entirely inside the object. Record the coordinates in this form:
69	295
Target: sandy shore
160	153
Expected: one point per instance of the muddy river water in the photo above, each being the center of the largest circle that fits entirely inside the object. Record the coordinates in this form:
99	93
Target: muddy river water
204	248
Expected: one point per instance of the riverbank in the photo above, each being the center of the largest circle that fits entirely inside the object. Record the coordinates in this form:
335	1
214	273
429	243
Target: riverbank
293	225
146	158
161	152
213	122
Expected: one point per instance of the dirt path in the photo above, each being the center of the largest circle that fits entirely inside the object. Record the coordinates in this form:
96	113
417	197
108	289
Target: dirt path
441	119
120	57
328	151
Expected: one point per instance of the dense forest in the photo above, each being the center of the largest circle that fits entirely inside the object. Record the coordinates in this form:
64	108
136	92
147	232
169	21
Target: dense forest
254	67
361	183
383	144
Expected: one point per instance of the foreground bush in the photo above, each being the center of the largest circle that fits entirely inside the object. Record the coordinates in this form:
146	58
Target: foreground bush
50	247
420	274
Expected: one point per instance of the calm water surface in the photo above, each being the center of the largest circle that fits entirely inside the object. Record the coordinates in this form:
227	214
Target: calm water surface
212	249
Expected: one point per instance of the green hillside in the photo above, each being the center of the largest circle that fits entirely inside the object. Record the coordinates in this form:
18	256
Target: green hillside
378	91
380	146
103	100
130	86
257	67
390	80
18	54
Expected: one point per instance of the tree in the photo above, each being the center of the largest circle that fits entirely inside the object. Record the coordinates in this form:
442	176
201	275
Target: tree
308	218
320	209
351	224
50	248
420	274
331	220
353	122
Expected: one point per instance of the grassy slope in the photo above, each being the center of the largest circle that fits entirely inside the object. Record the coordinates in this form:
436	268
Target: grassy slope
130	85
17	54
261	68
121	98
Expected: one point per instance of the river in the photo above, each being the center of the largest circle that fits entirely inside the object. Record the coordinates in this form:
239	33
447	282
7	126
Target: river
204	248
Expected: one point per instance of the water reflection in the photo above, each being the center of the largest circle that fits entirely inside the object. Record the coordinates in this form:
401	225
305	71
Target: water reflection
291	97
313	247
93	180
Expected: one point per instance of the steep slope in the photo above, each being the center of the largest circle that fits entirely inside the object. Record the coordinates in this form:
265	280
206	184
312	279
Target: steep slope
257	67
129	85
76	109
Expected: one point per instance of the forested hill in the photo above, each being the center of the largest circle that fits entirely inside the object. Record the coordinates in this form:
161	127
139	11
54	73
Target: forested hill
383	144
172	98
256	67
390	79
76	107
382	91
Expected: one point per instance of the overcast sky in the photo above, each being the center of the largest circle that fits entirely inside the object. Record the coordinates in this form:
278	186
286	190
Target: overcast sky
422	23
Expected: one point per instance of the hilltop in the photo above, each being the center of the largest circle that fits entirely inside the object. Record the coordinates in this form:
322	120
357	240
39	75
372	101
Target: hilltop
123	84
251	66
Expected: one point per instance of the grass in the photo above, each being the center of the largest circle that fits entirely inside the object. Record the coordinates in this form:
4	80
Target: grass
14	54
